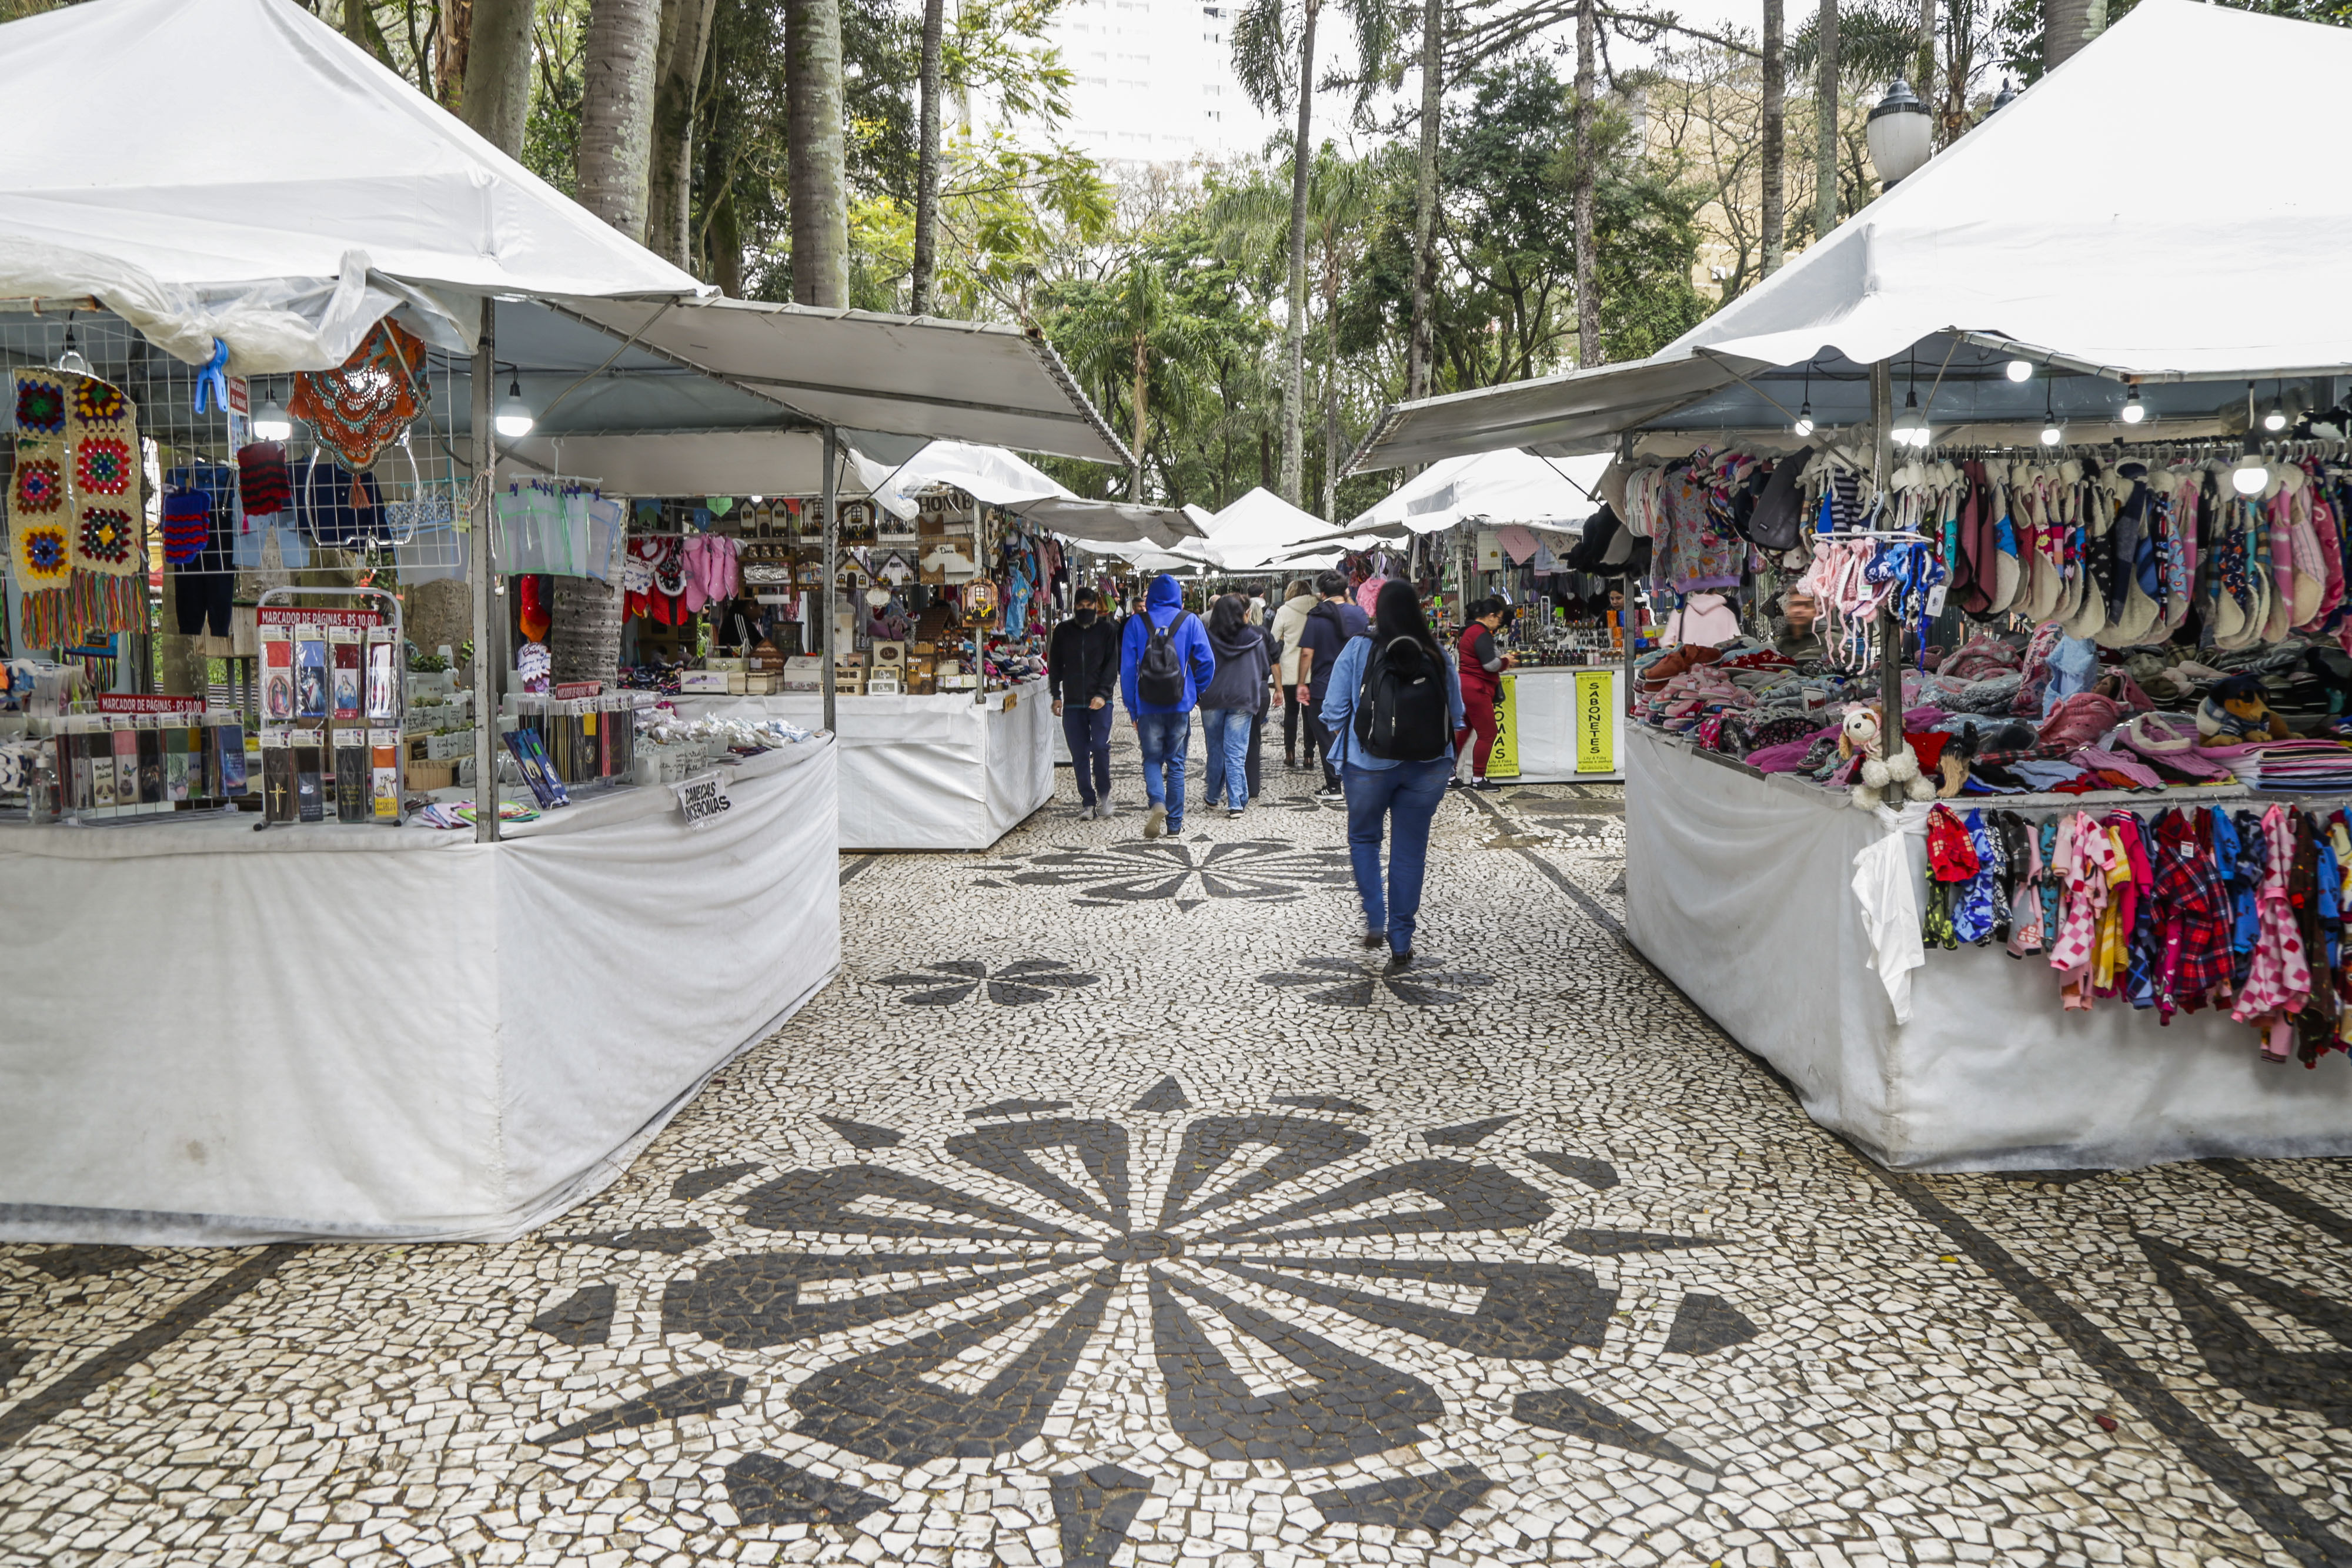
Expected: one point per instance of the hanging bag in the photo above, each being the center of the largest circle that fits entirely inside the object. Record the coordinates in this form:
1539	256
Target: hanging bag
1401	713
1160	673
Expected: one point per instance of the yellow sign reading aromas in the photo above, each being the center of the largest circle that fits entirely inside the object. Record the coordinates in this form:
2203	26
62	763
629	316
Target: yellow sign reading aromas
1596	721
1505	761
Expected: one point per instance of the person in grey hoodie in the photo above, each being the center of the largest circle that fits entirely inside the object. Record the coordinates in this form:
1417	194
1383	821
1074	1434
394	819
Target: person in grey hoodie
1231	700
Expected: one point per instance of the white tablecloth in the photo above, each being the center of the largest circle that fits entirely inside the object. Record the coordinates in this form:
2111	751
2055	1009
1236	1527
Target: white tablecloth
926	772
1740	889
212	1035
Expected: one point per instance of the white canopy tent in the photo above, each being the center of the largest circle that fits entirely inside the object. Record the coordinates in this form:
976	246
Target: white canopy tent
285	237
1510	486
1994	251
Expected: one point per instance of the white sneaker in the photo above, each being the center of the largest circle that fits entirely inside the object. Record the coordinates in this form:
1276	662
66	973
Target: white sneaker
1105	810
1155	822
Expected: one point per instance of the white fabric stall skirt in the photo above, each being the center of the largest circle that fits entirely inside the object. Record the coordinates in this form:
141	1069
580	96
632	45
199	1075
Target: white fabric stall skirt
1740	889
937	772
217	1036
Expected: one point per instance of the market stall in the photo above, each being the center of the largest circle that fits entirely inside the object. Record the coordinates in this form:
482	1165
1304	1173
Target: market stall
493	1034
274	652
2030	850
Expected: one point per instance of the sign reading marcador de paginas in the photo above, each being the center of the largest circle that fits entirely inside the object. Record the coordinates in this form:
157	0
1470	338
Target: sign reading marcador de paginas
703	797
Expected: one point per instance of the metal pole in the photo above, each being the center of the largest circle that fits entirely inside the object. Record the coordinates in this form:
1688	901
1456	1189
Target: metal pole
832	565
979	633
486	683
1890	628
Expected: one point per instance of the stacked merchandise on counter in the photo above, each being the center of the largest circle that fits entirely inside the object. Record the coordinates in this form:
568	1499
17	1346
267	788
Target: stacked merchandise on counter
2175	909
584	736
137	758
332	714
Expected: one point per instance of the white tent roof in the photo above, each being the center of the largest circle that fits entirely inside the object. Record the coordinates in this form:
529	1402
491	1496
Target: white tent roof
1510	486
961	381
170	155
2190	243
1256	528
990	474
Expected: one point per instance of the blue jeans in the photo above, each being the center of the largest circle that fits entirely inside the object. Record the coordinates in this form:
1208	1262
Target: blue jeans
1165	737
1226	771
1089	732
1407	796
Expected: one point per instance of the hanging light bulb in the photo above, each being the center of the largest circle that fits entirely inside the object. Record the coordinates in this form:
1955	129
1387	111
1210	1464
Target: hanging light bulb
2274	416
1911	426
273	422
2052	433
2134	409
513	418
2251	476
1804	426
2020	370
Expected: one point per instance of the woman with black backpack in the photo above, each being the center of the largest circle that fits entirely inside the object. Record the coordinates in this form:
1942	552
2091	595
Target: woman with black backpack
1392	710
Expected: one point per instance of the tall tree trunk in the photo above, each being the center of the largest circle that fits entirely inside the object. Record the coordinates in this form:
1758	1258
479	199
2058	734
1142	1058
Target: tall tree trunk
361	27
1775	151
497	97
1332	454
1294	329
927	162
726	247
1424	209
1142	395
616	110
452	40
684	45
1825	201
1588	285
1923	67
2067	25
818	163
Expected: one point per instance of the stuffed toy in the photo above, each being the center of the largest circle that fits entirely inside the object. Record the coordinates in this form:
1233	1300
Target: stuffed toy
2237	710
1859	736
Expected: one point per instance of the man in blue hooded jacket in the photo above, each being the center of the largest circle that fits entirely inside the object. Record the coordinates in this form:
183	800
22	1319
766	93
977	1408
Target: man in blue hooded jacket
1163	730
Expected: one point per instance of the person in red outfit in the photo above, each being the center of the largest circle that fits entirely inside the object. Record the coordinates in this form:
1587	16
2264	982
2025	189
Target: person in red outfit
1480	664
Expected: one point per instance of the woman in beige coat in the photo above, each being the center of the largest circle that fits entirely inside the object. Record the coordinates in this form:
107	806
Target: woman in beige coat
1289	621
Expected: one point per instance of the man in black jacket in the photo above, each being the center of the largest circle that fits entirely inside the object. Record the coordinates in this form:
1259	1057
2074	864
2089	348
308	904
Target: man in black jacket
1082	671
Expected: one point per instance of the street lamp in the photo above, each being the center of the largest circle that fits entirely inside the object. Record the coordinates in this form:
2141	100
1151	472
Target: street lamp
1902	135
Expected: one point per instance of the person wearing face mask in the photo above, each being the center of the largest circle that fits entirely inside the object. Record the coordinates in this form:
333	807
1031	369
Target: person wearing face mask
1081	672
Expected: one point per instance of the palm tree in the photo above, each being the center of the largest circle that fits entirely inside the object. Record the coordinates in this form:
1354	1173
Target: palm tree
817	158
1342	195
1775	138
927	162
616	110
1135	329
1274	55
685	40
1418	347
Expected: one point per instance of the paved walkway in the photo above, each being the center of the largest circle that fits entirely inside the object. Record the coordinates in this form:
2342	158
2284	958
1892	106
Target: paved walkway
1113	1209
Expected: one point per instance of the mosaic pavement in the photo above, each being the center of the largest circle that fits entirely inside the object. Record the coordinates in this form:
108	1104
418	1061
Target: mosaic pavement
1113	1209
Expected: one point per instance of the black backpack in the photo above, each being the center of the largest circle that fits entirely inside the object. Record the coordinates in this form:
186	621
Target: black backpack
1401	712
1160	673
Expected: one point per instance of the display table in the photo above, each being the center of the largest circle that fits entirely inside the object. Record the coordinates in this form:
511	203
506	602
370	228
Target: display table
925	773
1547	711
222	1036
1738	888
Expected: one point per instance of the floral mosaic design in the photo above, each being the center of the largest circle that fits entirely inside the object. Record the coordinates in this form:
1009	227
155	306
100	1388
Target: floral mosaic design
1359	983
1265	1271
1019	983
1185	872
40	407
97	402
108	536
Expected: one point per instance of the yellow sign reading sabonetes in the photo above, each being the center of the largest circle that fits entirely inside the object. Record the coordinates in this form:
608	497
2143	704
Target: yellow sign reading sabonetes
1505	761
1596	721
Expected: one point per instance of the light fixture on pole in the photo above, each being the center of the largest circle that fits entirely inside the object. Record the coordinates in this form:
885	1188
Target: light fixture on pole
2134	409
1901	134
2019	370
273	422
513	417
2004	98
